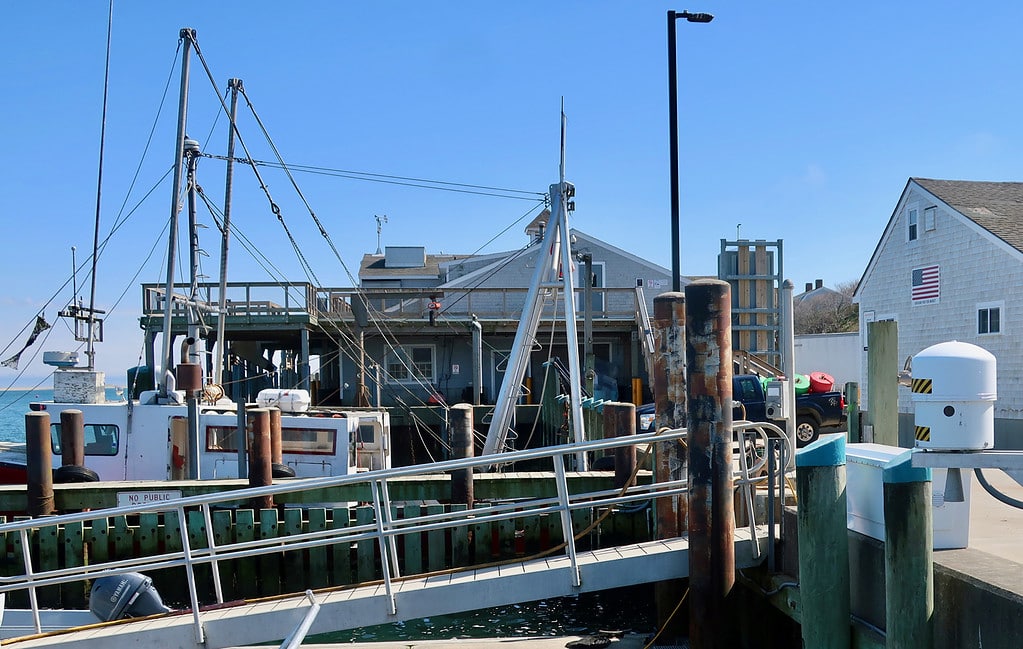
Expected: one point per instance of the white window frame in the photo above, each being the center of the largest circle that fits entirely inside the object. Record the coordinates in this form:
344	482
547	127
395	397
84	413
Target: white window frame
930	218
912	223
991	306
409	371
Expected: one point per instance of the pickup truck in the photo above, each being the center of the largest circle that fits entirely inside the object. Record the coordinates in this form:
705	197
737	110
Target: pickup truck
814	410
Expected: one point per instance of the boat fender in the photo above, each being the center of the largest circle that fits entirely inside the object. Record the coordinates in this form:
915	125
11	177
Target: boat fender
278	470
71	473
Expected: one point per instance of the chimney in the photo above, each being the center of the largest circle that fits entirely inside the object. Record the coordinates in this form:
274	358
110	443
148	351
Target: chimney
819	283
809	287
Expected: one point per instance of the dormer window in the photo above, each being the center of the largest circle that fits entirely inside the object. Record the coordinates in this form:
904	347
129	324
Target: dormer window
914	225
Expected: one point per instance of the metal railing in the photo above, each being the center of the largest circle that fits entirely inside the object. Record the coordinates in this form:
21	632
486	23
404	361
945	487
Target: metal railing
384	529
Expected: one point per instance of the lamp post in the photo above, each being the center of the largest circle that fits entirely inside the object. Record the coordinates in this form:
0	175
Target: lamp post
676	263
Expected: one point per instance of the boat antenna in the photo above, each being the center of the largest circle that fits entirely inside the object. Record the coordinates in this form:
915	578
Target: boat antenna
90	348
381	219
74	277
188	36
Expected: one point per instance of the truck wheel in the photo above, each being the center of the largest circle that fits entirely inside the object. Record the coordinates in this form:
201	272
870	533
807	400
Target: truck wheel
807	431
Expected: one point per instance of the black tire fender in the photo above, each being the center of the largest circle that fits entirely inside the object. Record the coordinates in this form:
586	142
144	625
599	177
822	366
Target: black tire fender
281	471
72	473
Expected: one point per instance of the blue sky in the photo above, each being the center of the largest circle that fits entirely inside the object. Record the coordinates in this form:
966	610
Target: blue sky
800	121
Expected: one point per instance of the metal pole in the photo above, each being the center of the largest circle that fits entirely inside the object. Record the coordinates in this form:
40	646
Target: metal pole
676	260
167	362
711	509
788	357
477	361
192	155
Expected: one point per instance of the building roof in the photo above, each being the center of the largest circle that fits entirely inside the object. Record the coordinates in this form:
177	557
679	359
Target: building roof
373	267
996	207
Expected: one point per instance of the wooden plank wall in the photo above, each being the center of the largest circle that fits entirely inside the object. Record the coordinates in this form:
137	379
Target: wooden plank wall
118	537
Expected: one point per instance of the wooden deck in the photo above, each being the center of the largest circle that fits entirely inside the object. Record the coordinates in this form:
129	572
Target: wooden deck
273	619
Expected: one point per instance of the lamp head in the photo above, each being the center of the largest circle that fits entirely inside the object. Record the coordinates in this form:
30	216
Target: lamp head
697	17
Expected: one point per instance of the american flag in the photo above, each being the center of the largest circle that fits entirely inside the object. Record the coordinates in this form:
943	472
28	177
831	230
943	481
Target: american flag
926	285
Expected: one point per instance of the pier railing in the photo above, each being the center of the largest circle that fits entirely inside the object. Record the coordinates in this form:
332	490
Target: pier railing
205	557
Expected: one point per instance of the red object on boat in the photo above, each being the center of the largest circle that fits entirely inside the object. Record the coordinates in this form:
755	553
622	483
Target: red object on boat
821	382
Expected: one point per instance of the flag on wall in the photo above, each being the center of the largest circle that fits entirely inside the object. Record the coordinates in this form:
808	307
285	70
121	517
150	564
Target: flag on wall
926	285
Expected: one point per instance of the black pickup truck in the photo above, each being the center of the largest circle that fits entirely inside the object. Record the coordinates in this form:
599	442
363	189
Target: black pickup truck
814	410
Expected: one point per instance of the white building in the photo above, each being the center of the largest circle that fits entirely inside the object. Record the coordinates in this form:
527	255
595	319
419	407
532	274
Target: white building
949	266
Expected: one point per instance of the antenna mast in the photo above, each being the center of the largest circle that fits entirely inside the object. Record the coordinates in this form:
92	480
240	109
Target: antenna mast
381	219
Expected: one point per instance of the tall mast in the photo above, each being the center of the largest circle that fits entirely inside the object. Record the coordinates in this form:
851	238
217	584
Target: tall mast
220	353
167	361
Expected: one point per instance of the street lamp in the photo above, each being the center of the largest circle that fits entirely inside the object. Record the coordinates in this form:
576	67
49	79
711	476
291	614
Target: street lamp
676	263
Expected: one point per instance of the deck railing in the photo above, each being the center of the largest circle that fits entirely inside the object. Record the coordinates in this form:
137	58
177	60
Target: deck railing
302	300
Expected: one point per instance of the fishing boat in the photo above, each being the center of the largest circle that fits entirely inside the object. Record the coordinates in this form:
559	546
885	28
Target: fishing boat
167	432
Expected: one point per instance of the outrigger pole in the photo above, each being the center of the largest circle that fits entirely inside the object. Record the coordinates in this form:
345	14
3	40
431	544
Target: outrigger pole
553	271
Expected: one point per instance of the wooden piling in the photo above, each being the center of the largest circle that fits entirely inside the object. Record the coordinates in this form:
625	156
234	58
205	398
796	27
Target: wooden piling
883	381
260	466
823	543
461	422
619	421
39	464
708	333
908	555
72	438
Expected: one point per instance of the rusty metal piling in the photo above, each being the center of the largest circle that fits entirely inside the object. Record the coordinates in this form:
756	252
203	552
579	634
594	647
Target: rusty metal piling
260	466
39	459
461	448
72	438
669	388
619	421
708	316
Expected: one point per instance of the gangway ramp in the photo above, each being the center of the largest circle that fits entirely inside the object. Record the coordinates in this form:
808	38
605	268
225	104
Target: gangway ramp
341	609
211	622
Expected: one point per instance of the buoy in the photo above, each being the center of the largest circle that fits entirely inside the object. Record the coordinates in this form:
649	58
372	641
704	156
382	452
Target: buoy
821	382
802	383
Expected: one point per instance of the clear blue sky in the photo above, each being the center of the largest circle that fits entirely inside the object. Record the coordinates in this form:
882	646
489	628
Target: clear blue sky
800	120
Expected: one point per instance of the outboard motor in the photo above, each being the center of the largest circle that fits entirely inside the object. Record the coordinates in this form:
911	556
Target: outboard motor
123	596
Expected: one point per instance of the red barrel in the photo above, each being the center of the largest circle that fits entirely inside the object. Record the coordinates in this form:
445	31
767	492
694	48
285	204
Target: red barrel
821	382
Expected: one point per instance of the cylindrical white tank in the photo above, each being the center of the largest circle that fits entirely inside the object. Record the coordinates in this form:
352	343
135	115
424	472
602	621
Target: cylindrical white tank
954	391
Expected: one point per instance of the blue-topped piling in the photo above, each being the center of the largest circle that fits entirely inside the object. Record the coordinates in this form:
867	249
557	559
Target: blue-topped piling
908	555
823	543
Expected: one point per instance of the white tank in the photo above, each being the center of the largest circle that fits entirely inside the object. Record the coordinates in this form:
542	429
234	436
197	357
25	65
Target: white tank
954	391
286	400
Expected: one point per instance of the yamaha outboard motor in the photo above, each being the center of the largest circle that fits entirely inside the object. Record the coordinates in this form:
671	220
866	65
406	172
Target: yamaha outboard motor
123	596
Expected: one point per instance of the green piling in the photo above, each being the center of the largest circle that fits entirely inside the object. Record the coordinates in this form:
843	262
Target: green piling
823	543
908	555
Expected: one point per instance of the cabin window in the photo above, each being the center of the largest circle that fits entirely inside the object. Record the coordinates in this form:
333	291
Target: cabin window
298	441
930	218
99	439
410	363
913	225
989	318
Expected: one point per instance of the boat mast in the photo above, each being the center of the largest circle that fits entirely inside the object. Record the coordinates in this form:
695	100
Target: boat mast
552	271
220	353
167	361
